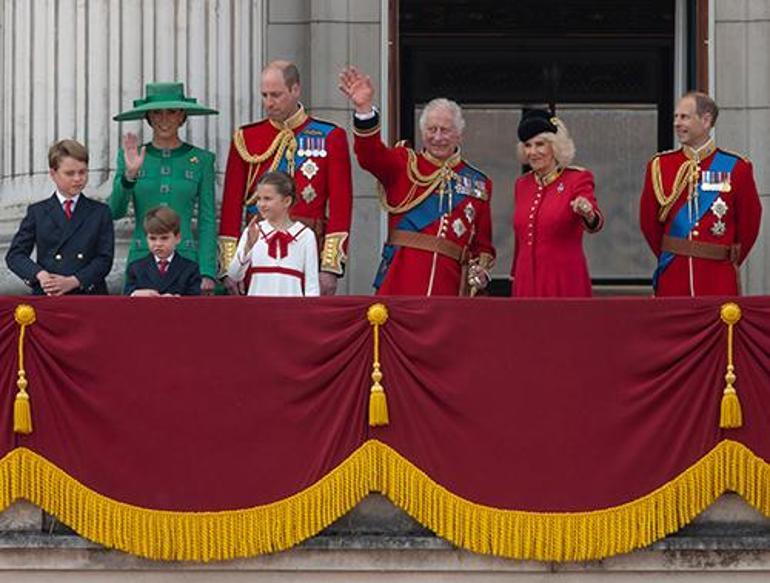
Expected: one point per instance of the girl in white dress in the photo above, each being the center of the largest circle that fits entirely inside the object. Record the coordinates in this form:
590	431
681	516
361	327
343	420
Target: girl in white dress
278	254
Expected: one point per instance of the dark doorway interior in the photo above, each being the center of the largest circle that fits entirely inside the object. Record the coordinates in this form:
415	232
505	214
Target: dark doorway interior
537	51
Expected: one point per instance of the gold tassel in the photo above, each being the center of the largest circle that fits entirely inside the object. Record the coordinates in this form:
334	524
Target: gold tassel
378	402
730	416
22	407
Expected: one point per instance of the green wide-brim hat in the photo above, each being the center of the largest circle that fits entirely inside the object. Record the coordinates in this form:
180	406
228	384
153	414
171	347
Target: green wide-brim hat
164	96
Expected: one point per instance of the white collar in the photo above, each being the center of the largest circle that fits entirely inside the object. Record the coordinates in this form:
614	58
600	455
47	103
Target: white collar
268	229
169	259
63	198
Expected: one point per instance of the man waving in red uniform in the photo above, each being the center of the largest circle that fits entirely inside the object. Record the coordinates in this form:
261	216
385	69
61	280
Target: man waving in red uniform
699	210
314	152
440	230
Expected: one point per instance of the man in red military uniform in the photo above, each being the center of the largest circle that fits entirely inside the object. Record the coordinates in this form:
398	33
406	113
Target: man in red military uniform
314	152
440	229
699	210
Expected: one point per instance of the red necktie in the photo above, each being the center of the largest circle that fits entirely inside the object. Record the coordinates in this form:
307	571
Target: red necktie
163	266
278	244
68	208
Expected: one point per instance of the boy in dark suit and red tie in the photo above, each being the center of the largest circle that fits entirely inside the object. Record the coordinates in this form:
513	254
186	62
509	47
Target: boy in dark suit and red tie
71	233
163	272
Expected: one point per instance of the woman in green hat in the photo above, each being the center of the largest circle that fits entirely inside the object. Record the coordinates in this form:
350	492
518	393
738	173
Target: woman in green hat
166	171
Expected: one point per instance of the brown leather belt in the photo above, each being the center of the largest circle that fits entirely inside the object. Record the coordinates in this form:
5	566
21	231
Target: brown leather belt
701	250
429	243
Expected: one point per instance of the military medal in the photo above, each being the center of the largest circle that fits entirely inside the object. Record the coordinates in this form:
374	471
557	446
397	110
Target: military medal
470	212
301	147
309	169
308	194
718	228
463	185
323	148
719	208
314	147
715	181
560	188
458	227
479	188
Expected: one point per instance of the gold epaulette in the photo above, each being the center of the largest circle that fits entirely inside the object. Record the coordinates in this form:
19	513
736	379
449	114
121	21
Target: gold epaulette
402	144
575	167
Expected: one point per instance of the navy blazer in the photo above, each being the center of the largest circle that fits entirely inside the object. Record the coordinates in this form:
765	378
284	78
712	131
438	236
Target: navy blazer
183	276
82	246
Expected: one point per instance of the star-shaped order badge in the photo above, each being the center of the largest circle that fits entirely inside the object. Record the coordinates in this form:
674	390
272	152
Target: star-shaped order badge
309	169
719	208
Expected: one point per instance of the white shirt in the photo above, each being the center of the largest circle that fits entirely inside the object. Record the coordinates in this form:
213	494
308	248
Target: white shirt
169	259
295	274
63	198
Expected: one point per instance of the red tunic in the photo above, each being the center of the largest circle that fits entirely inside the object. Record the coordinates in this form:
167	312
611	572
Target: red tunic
691	276
411	271
548	259
322	178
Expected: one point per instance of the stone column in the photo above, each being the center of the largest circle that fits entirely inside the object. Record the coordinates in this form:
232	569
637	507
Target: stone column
742	89
322	37
70	65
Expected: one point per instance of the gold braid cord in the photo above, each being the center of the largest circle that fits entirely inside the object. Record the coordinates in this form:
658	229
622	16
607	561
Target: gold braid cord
284	145
438	179
22	408
686	177
377	314
730	414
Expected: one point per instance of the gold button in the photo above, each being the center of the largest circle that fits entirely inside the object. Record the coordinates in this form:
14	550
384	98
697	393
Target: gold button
695	233
57	257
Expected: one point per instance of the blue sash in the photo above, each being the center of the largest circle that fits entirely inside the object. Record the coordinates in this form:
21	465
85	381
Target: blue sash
425	213
682	225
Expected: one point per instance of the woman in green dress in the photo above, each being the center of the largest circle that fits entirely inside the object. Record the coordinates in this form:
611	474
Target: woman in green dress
168	171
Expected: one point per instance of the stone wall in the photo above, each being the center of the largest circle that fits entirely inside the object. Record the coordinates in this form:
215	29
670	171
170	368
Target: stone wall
742	89
376	542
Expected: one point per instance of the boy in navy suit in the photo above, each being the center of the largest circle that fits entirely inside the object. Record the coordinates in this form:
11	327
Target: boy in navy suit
163	272
72	234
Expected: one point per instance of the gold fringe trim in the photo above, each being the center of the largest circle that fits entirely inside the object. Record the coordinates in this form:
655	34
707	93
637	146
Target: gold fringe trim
578	536
205	536
186	536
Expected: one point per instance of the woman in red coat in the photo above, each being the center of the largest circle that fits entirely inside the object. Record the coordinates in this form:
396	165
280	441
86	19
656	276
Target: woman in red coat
554	206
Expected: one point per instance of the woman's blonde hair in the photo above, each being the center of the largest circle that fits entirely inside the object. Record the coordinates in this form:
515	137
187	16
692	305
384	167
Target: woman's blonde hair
561	142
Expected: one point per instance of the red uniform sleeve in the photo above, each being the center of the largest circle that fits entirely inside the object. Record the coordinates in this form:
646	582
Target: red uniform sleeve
231	220
748	208
585	187
340	184
483	240
652	228
386	164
